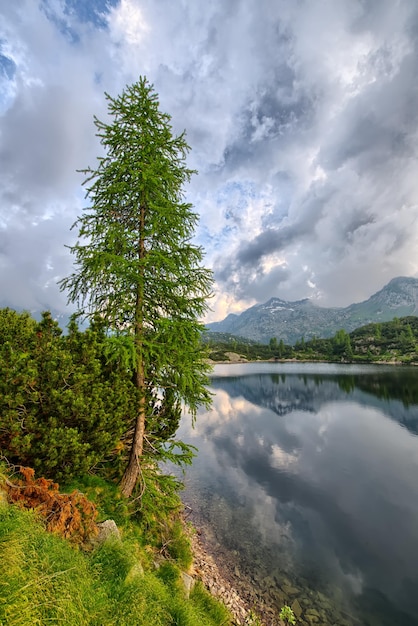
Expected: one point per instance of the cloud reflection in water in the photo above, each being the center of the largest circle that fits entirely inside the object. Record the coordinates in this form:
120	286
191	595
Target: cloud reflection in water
320	475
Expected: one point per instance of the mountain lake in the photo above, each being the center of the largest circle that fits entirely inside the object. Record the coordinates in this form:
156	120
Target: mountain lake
306	487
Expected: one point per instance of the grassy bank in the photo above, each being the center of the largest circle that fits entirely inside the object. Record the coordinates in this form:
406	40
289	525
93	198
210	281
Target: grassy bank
46	579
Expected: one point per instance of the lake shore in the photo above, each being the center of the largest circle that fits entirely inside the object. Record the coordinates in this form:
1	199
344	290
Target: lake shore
242	591
206	569
221	576
239	360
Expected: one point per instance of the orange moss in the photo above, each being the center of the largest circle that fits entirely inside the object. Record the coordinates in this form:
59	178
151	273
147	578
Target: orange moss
70	515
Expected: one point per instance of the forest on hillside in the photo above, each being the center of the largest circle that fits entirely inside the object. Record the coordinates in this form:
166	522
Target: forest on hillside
394	341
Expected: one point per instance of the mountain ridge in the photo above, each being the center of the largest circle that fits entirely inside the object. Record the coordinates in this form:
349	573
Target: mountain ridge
292	320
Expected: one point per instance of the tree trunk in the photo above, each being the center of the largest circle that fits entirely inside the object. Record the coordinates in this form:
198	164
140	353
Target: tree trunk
131	474
130	477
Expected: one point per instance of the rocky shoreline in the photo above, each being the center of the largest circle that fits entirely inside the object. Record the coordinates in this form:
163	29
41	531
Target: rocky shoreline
206	570
223	579
243	594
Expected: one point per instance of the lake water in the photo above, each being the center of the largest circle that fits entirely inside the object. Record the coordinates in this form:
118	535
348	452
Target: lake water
307	481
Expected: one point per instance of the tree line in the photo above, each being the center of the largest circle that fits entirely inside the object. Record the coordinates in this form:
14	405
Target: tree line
396	340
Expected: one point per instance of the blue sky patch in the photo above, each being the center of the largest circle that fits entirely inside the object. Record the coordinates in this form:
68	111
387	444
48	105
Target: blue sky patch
7	66
92	12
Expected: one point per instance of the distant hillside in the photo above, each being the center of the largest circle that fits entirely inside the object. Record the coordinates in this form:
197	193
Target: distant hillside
290	321
395	341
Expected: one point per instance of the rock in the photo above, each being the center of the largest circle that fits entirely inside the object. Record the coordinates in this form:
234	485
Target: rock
136	571
279	596
296	608
107	530
188	583
269	582
205	568
236	358
324	602
290	591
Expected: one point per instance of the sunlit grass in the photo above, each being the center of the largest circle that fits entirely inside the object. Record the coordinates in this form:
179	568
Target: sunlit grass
45	580
42	578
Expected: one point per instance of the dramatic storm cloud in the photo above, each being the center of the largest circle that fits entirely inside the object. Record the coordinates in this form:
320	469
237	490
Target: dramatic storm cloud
303	122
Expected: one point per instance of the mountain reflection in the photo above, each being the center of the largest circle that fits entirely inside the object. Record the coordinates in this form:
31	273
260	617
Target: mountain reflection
394	393
315	473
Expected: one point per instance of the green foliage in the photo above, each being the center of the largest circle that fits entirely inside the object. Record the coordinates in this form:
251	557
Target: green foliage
138	270
385	341
220	343
145	598
341	345
178	545
158	507
105	495
273	343
252	619
208	608
66	404
64	408
287	615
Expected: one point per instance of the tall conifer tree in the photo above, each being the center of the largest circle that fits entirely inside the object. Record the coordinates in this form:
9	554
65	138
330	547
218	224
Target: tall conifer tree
135	263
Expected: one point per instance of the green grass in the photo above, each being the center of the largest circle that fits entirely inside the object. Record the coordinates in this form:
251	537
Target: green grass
165	533
45	580
105	495
42	579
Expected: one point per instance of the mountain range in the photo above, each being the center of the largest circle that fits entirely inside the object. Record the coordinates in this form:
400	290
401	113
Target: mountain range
290	321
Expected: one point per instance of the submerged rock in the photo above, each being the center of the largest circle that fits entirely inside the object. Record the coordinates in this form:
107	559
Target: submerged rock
296	608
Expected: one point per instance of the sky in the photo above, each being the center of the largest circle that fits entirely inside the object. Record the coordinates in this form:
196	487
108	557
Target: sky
301	115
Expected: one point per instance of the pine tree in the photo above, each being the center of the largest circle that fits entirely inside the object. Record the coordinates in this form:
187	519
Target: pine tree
63	409
136	265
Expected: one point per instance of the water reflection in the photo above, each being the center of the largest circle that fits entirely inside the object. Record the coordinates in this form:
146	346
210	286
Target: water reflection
312	475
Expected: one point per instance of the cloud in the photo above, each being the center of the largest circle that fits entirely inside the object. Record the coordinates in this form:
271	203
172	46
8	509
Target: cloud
359	136
47	133
301	117
32	257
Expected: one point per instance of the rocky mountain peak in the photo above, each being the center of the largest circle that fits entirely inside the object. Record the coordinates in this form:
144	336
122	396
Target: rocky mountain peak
291	321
